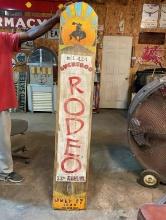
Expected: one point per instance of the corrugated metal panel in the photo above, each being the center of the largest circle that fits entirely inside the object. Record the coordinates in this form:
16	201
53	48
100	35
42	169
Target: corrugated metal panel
41	98
42	101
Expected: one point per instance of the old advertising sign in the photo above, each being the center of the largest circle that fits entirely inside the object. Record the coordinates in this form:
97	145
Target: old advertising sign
77	50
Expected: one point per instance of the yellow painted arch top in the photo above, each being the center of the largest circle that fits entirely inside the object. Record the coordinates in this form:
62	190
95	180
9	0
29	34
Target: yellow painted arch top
78	25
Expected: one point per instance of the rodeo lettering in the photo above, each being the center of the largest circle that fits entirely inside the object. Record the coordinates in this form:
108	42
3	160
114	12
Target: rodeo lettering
74	117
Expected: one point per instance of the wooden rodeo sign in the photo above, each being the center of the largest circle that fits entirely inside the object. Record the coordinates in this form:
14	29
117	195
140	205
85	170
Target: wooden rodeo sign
78	27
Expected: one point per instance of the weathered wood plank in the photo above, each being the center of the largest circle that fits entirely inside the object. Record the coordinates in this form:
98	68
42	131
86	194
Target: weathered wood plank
74	111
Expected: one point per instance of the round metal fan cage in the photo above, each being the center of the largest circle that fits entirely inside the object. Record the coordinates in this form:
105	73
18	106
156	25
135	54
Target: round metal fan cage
147	131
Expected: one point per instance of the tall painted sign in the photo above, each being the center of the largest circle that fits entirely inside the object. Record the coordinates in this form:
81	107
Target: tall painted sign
78	31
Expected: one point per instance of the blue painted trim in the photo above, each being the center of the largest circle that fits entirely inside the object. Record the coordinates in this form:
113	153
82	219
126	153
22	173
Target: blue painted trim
89	11
78	8
68	11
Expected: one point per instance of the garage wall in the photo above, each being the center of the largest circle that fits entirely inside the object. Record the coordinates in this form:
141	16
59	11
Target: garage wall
113	12
51	44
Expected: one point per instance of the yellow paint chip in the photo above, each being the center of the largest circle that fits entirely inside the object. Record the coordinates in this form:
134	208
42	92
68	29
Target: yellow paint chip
28	4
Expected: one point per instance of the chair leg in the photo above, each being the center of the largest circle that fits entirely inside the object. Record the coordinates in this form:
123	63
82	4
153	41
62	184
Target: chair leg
21	148
25	158
16	154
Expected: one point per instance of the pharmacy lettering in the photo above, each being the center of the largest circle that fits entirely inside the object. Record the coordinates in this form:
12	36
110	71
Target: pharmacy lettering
74	115
21	22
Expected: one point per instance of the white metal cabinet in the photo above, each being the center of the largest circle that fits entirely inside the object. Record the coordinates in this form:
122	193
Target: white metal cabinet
41	98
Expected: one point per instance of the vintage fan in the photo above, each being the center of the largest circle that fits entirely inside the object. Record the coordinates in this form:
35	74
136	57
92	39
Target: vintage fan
147	131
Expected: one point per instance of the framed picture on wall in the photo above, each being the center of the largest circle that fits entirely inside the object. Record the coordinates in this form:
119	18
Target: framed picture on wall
163	16
150	15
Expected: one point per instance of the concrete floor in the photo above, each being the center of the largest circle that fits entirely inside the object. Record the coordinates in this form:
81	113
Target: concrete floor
113	191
